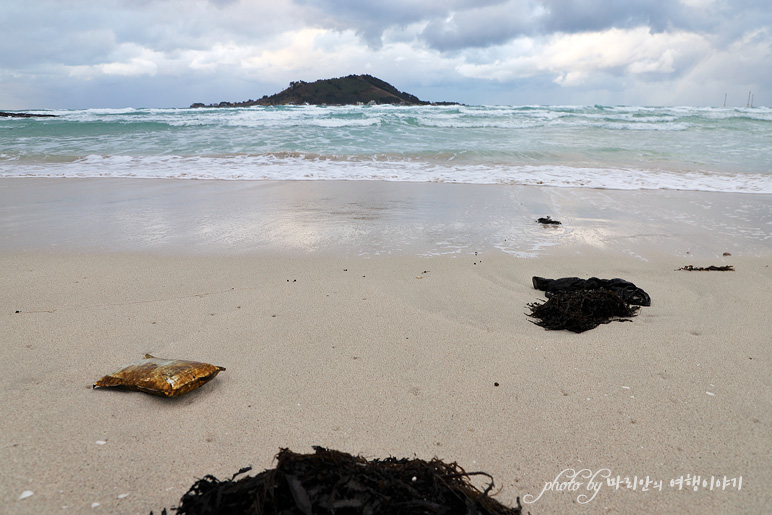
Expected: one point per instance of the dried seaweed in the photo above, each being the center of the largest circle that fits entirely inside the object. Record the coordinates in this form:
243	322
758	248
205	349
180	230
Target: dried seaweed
580	310
546	220
330	481
711	268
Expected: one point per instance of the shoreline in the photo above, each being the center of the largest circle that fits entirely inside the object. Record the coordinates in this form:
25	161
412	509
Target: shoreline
328	339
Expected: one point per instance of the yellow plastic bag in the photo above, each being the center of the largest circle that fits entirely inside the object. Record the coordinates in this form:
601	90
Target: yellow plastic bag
156	376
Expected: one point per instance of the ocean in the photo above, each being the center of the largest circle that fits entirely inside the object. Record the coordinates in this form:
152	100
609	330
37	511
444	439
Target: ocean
623	148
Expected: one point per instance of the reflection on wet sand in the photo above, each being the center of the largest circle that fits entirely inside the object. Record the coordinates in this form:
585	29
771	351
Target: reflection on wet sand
371	218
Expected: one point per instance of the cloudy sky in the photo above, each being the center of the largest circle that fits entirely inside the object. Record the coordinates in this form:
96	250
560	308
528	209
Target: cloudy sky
171	53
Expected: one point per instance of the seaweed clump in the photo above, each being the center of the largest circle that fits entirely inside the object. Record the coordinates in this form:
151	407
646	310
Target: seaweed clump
581	310
711	268
330	481
626	290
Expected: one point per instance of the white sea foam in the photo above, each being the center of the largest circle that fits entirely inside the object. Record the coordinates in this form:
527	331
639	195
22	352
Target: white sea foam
279	167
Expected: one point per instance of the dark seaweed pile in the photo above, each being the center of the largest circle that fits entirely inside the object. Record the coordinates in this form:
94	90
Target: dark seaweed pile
330	481
580	310
626	290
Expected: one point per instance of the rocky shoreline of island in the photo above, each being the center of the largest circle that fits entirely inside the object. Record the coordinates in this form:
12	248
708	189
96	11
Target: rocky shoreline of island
6	114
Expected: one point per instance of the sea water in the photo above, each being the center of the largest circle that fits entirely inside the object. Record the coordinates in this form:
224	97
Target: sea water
630	148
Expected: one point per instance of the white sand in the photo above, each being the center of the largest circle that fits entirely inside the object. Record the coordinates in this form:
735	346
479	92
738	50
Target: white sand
382	356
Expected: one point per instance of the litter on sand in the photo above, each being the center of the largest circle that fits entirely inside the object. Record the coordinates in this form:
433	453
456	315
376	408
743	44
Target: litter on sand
156	376
330	481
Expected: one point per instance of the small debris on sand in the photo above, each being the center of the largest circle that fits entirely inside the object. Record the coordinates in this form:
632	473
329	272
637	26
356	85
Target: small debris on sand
711	268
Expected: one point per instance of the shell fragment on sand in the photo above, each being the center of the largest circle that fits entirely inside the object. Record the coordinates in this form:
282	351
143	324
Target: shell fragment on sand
157	376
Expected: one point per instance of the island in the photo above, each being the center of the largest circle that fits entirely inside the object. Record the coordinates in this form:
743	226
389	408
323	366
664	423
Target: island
350	90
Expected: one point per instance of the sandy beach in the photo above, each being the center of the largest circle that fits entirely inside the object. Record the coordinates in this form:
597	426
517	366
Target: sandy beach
382	320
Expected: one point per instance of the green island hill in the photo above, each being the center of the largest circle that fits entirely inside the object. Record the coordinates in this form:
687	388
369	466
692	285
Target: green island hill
350	90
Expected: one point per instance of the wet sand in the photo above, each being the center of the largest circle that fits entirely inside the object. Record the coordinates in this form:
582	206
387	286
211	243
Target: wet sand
372	218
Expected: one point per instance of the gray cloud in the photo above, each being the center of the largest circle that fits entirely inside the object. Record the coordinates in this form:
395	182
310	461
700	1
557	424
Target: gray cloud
453	25
590	15
371	19
480	26
85	32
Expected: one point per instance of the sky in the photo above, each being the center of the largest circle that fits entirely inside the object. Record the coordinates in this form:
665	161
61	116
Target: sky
72	54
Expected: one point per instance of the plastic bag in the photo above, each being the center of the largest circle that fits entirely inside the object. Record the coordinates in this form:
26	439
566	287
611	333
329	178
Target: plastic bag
166	377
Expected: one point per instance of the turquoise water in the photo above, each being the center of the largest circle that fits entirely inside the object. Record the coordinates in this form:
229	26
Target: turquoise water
680	148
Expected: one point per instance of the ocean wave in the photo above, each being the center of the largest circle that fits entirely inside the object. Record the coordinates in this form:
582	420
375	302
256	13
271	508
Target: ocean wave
462	117
620	147
308	166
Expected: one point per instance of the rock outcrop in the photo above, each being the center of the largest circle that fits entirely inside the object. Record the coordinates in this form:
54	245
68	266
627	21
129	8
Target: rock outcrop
4	114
